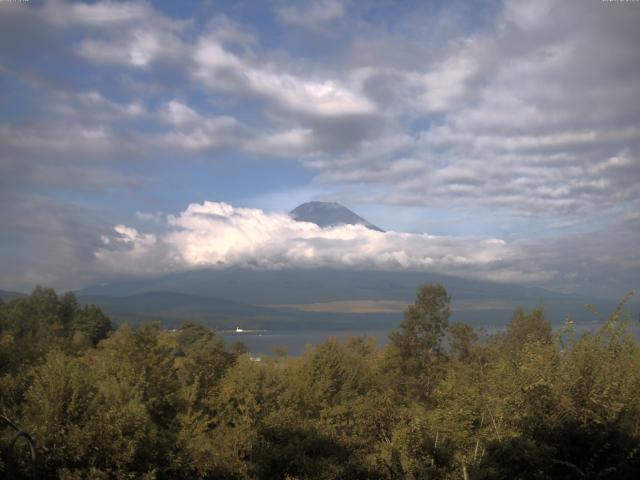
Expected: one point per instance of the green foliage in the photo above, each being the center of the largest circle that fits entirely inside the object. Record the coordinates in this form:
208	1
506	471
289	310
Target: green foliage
417	347
32	326
204	358
437	402
90	322
462	339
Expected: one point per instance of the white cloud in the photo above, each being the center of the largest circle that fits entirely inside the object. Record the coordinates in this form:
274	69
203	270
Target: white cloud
530	110
295	142
312	14
138	47
210	133
446	85
531	107
178	113
155	217
84	105
522	112
220	69
104	14
124	33
136	252
194	132
528	16
215	234
92	141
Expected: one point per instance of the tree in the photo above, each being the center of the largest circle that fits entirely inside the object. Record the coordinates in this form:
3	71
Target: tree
92	323
58	405
462	338
205	360
417	346
526	328
31	327
68	308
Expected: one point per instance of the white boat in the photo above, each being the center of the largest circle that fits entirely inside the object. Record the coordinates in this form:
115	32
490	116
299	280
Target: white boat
239	330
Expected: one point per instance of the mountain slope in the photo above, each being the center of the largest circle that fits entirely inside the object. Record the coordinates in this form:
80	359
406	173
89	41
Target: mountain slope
172	308
8	295
329	214
473	300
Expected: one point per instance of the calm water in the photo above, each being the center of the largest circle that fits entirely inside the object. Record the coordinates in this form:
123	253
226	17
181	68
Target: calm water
262	342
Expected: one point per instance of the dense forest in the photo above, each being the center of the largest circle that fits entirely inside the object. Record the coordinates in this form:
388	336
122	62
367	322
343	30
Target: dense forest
439	401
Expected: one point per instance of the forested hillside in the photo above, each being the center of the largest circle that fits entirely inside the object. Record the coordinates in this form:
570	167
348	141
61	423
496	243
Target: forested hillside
440	401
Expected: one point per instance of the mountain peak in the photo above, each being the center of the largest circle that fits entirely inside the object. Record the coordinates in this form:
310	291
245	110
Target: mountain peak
329	214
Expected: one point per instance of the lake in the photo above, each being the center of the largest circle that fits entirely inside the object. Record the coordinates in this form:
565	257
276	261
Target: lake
261	342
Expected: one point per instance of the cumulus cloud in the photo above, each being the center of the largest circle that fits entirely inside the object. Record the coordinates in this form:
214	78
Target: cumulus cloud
219	235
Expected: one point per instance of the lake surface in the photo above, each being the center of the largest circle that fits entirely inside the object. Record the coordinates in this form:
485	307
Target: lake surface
262	342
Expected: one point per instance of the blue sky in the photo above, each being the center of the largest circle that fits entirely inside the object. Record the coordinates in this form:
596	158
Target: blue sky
473	122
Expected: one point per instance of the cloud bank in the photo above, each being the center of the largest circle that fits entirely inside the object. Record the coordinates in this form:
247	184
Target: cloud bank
218	235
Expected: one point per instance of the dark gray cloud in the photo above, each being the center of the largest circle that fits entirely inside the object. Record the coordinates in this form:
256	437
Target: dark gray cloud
48	242
602	261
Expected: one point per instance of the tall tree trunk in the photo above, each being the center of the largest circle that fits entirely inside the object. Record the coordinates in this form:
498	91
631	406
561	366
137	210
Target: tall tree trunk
435	447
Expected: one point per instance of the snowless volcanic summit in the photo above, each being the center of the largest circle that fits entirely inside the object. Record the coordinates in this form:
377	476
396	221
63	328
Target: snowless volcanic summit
329	214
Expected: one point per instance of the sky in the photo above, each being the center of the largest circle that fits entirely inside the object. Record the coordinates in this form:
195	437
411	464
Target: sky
491	140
